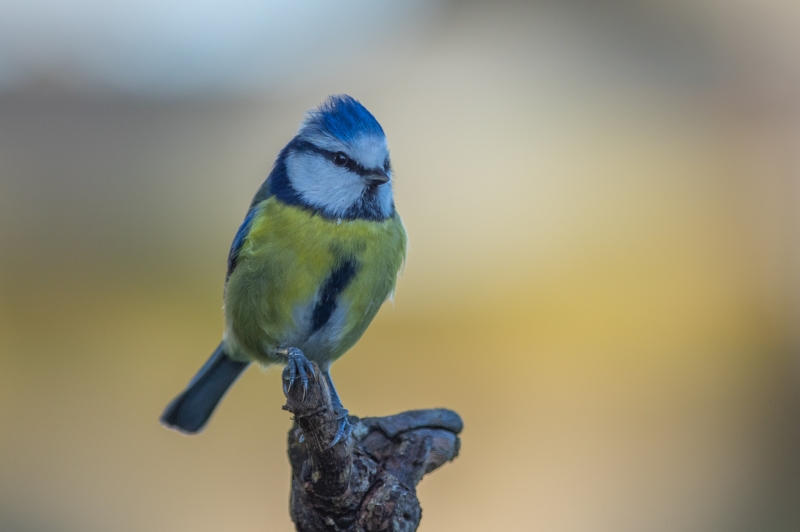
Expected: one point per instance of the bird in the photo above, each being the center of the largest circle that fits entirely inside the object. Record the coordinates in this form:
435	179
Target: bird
319	251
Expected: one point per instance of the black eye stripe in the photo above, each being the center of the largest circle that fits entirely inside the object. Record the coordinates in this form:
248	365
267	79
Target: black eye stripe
351	165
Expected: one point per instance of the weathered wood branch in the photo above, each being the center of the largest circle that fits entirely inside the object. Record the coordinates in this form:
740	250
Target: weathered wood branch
368	481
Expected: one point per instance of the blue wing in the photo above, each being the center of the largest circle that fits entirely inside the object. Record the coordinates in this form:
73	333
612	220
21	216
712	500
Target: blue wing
244	229
238	241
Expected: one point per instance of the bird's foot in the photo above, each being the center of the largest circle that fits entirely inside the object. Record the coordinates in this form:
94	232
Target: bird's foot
344	428
297	367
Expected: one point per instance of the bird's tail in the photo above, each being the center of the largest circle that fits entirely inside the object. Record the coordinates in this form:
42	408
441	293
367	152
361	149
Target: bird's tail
189	412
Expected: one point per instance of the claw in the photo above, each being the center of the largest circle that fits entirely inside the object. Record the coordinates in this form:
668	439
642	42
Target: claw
303	379
292	373
335	440
343	431
297	366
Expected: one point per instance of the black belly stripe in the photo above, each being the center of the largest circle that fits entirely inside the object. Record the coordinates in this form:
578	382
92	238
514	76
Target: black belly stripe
334	285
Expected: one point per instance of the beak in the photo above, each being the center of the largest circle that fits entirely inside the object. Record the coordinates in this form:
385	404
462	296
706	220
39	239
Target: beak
376	176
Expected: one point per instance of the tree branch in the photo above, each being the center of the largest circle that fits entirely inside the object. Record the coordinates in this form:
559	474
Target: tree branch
367	482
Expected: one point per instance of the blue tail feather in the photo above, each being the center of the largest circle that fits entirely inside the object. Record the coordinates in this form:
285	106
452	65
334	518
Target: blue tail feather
190	411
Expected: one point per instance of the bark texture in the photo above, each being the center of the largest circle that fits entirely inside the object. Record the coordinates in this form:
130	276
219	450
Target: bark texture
368	481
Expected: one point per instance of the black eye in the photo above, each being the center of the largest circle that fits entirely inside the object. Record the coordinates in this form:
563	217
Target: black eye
340	159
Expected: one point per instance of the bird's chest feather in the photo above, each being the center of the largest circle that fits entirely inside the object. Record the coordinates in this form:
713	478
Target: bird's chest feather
305	281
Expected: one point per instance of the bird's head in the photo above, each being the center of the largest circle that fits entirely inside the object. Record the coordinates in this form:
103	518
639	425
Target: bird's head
337	164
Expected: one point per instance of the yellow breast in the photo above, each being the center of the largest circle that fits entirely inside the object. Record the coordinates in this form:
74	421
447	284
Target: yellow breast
305	281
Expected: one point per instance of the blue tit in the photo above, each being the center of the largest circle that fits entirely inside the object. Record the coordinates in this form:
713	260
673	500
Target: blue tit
318	253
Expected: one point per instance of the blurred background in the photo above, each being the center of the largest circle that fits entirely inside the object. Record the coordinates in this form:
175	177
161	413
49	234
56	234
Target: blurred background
603	203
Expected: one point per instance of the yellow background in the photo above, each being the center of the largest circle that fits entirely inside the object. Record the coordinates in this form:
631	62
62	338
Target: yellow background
603	205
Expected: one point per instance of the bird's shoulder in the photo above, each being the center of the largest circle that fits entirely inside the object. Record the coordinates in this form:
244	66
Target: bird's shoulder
264	193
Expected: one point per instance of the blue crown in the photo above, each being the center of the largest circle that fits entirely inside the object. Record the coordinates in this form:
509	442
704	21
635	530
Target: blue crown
343	117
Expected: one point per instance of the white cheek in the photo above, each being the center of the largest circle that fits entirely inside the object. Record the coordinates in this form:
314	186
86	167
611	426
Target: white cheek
323	185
